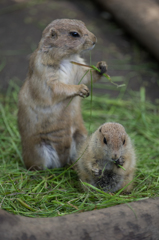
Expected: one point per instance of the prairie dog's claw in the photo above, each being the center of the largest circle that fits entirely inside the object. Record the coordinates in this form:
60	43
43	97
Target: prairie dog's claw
97	172
83	91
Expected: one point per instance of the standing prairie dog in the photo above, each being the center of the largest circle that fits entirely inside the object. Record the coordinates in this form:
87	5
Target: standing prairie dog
49	116
100	156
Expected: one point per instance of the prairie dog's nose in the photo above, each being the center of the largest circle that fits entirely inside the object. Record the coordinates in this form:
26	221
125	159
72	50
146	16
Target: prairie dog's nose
115	157
94	40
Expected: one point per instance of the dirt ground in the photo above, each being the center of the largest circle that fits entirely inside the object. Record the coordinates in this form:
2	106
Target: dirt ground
21	25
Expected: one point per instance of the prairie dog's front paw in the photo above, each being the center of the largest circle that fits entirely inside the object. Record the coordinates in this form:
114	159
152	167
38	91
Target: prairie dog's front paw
96	172
120	162
83	91
102	66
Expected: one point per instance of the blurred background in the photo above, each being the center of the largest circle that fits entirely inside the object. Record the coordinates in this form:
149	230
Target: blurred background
129	62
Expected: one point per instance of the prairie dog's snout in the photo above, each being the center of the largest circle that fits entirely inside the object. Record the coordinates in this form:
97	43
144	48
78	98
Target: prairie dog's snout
115	157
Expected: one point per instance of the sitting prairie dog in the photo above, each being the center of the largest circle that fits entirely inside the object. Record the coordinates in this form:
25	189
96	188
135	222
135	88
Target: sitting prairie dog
49	116
101	154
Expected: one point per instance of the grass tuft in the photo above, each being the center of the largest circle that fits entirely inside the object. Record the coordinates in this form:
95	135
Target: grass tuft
58	192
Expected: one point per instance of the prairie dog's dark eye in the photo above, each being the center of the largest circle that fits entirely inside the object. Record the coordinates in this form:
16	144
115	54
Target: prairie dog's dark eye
53	33
74	34
104	140
124	142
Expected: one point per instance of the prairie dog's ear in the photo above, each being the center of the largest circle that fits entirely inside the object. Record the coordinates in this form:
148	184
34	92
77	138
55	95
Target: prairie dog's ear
100	129
47	42
123	138
53	33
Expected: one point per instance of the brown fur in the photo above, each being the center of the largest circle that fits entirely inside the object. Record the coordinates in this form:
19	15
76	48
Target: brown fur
50	124
96	156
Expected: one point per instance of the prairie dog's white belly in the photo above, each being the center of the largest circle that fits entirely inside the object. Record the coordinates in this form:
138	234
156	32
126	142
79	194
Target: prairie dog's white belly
68	70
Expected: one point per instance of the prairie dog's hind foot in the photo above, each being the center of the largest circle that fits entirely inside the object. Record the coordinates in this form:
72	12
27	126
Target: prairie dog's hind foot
43	156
